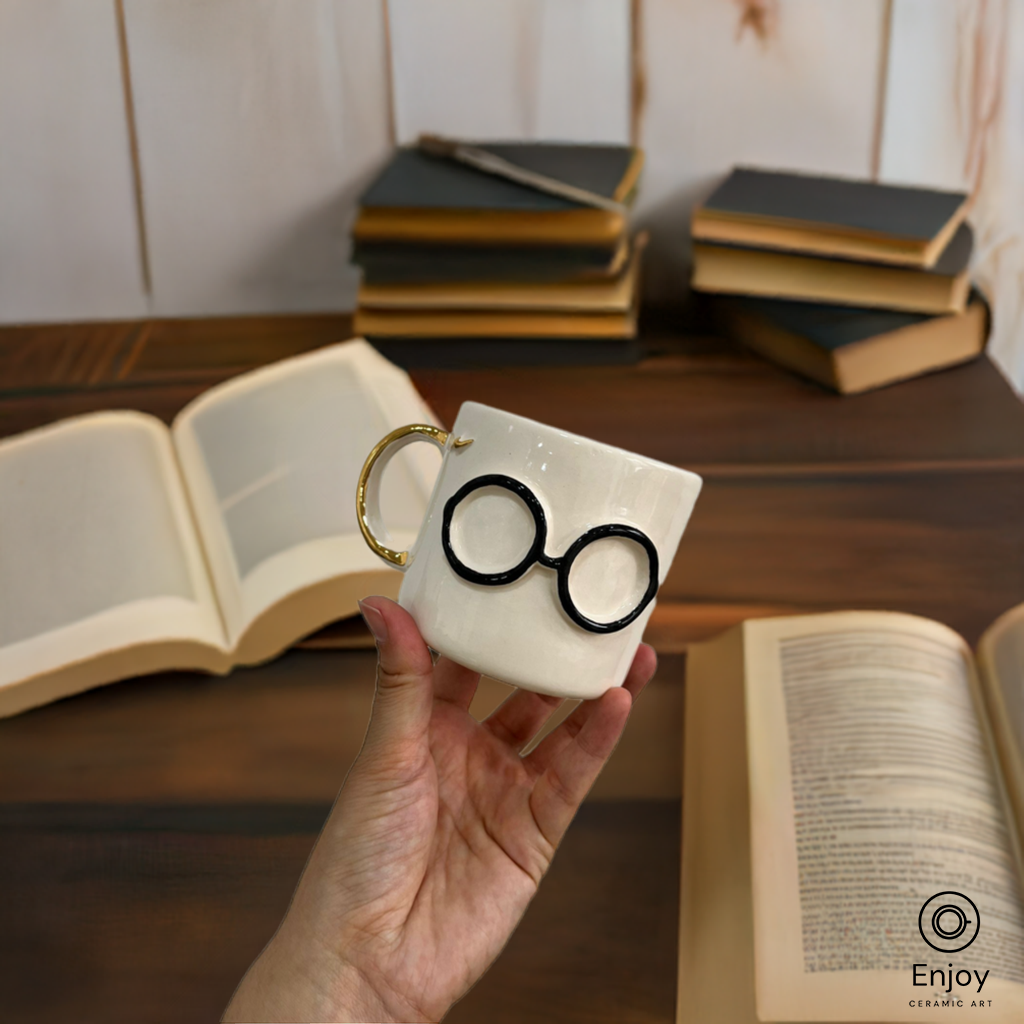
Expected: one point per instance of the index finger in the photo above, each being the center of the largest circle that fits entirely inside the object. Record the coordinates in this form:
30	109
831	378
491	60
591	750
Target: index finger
570	759
560	789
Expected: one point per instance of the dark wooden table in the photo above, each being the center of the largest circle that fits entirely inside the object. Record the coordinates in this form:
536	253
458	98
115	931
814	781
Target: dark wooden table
152	831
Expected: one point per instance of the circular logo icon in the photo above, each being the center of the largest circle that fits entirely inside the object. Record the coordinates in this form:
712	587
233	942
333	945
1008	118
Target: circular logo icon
949	921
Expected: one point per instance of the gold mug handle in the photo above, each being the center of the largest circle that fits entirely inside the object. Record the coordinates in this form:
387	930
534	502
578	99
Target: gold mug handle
368	490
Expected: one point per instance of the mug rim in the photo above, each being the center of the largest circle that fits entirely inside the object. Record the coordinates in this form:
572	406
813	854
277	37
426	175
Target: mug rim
602	445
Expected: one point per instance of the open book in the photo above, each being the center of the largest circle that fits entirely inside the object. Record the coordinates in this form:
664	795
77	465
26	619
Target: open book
841	770
127	547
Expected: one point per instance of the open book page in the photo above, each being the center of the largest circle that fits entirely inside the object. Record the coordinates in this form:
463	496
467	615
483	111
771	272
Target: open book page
97	553
271	461
873	788
1001	668
716	927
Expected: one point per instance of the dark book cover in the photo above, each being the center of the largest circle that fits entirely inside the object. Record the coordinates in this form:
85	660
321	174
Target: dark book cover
395	263
831	327
415	180
487	353
897	211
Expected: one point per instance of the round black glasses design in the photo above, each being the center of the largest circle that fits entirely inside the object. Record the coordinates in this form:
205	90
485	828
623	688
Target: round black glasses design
562	565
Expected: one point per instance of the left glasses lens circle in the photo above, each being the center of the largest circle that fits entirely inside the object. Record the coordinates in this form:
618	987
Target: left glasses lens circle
498	526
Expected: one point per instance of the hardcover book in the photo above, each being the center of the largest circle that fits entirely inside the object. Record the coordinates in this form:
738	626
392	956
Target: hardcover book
539	323
600	295
387	263
422	198
415	180
831	216
580	310
579	227
734	269
852	350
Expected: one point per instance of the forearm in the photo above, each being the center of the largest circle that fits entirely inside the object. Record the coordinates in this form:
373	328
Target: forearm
295	980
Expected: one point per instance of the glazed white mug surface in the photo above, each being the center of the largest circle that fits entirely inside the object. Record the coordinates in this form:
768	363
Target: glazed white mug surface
541	552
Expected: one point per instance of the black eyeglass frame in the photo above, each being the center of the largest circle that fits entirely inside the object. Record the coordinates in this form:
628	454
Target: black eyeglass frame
536	553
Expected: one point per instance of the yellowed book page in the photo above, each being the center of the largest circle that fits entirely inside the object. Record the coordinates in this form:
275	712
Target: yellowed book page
1001	669
490	227
801	236
271	460
98	554
399	323
873	790
813	279
931	345
598	296
716	926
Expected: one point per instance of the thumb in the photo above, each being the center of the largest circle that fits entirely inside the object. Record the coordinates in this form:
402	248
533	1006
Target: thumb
404	697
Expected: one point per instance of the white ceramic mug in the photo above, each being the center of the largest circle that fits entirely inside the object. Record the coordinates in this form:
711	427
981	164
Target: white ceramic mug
541	551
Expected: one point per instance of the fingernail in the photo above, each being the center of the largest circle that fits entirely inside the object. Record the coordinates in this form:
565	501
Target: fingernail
375	621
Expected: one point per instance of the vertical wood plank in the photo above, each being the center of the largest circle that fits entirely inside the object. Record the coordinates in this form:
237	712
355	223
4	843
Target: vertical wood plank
259	123
68	232
921	139
518	69
790	84
953	113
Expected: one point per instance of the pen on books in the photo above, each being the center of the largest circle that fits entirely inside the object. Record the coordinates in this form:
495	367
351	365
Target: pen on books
489	163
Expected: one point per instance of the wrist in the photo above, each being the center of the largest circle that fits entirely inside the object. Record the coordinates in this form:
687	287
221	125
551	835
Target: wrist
297	979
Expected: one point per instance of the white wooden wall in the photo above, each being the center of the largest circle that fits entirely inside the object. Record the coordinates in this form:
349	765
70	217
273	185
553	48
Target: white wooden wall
954	117
69	241
259	122
202	157
795	85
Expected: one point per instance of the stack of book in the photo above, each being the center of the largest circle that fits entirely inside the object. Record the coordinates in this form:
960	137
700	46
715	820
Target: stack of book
450	251
851	283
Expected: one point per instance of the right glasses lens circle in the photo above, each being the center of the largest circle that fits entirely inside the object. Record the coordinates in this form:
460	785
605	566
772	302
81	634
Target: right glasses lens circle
493	530
608	577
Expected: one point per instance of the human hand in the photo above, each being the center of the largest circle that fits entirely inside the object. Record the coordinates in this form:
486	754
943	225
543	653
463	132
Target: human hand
436	843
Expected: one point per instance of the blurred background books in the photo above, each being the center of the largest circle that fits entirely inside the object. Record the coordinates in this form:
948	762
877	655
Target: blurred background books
851	283
450	252
495	249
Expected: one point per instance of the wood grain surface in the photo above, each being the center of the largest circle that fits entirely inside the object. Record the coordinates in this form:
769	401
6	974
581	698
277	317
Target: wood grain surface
954	103
284	732
156	917
151	833
153	830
